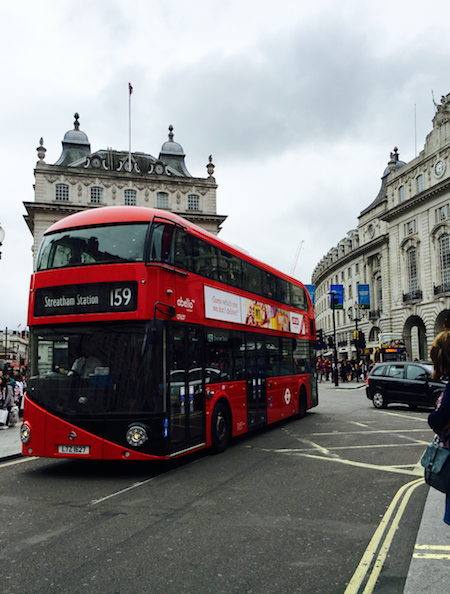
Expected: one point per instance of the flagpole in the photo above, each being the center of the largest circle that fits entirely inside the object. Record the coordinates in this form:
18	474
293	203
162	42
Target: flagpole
130	89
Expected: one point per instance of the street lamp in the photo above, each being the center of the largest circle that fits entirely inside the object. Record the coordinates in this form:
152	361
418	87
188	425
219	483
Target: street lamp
357	334
334	302
2	238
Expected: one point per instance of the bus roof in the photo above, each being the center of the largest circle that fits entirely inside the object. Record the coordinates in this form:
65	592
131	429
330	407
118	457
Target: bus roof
107	215
116	214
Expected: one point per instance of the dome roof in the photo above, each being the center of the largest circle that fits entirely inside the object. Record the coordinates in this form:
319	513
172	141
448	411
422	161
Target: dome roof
75	145
398	164
171	147
172	153
394	159
76	136
393	165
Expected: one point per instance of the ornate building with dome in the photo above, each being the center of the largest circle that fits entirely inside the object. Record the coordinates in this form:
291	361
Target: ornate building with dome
81	179
401	249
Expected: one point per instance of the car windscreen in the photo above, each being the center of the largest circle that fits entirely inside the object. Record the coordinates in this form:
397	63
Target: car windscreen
109	244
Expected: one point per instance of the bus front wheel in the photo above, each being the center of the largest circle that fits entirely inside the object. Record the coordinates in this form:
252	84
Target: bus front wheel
220	428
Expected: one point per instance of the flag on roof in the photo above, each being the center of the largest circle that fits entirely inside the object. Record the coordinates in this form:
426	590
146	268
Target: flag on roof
130	88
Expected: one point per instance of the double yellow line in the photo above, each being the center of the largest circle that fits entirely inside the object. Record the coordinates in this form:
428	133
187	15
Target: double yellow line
371	562
433	554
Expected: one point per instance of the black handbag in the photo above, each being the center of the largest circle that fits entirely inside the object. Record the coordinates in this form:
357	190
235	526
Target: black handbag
436	462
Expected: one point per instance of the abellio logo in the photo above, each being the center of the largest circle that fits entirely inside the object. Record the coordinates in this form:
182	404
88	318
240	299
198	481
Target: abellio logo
186	303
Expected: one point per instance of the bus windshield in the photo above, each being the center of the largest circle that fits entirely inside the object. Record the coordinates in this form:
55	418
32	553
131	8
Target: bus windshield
111	244
79	371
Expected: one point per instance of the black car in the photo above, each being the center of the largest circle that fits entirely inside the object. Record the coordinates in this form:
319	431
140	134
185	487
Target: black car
404	382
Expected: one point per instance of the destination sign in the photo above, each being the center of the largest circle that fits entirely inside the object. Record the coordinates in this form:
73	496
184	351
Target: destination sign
84	299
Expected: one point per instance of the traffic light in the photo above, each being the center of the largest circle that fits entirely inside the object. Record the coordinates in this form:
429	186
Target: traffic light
356	336
362	340
330	342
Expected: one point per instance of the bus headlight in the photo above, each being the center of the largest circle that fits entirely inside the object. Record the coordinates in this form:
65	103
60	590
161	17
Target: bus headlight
137	435
25	433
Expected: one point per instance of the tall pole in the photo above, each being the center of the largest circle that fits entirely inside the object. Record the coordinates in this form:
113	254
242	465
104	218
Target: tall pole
130	89
357	343
336	374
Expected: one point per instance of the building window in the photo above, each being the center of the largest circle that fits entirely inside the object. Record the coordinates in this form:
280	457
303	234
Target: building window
441	213
412	269
349	291
444	256
162	200
379	293
342	275
130	197
349	272
401	193
356	268
193	202
97	195
410	228
62	192
419	182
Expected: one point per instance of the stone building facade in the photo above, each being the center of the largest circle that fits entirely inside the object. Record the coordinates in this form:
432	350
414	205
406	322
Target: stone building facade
81	179
401	249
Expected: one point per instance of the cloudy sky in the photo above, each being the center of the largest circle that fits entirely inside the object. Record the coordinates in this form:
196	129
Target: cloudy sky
299	103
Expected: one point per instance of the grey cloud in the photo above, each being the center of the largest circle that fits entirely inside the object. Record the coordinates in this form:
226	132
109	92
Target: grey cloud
315	84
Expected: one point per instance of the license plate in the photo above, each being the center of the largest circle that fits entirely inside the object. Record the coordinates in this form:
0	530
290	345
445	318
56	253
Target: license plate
73	449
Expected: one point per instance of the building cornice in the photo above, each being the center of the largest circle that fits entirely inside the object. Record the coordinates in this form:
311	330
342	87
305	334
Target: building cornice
411	203
353	255
59	173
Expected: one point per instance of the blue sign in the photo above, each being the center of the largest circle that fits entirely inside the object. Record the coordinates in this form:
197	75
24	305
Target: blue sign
312	293
364	296
337	296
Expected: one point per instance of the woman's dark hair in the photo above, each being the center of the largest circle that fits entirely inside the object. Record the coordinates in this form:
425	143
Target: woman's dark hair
440	355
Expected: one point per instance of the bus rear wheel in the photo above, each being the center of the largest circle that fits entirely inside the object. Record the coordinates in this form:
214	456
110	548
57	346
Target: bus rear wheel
302	405
220	428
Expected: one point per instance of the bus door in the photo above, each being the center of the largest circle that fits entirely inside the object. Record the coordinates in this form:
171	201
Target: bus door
186	388
256	381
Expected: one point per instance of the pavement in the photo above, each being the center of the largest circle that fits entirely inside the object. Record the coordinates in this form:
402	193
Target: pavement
430	562
10	444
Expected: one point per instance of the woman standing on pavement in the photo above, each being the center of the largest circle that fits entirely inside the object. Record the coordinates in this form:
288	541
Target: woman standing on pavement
9	397
439	420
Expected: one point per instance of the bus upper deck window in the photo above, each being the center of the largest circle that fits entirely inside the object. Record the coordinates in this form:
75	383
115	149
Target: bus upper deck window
161	246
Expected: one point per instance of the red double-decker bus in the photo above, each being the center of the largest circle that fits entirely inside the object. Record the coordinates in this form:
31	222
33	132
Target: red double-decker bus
151	338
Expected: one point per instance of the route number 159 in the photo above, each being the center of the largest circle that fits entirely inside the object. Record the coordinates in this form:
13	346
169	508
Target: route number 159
120	297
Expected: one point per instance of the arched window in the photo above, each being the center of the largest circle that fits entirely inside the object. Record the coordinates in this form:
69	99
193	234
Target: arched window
379	293
419	182
444	258
411	255
401	193
374	333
